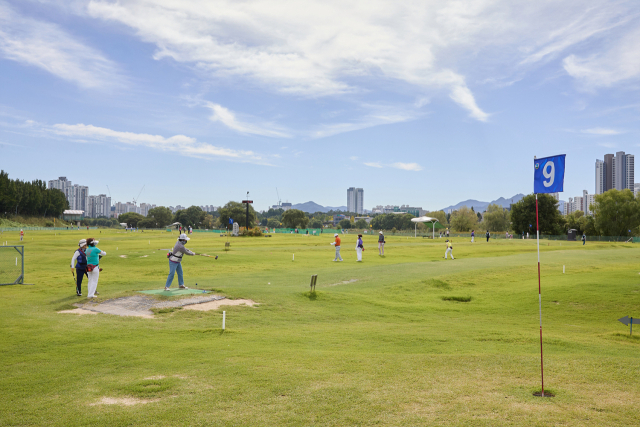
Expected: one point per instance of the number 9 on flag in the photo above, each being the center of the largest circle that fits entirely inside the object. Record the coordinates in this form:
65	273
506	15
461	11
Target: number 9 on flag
548	175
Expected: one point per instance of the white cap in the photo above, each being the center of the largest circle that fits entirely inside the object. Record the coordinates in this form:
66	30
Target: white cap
380	232
335	235
82	242
183	237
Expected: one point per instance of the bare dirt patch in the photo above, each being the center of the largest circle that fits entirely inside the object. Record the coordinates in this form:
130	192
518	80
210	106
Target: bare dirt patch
345	282
155	377
123	256
122	401
78	311
214	305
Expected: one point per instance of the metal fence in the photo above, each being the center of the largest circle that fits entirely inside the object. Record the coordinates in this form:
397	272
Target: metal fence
4	229
11	265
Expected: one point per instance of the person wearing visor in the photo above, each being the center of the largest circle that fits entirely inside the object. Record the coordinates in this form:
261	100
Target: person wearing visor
93	254
79	261
175	262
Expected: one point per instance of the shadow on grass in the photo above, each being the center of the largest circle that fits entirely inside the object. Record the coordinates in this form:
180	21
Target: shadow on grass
627	337
457	299
312	295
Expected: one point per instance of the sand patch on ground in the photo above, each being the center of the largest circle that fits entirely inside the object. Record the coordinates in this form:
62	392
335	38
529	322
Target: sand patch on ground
123	256
144	256
122	401
213	305
78	311
155	377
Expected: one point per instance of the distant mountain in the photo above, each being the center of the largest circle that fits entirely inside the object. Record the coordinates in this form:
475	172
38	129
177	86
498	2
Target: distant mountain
312	207
479	206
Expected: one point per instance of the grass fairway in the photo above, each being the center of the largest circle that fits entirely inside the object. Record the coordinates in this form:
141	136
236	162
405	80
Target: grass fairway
408	339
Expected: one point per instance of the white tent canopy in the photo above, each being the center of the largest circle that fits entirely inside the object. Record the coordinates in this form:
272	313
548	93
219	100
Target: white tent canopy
424	219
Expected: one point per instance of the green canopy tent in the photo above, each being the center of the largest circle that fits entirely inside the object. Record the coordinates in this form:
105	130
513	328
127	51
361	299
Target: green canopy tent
434	224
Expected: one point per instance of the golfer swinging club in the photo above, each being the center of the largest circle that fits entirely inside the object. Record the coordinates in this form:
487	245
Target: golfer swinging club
175	259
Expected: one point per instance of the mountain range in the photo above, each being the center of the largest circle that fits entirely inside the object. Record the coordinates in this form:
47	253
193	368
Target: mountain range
312	207
479	206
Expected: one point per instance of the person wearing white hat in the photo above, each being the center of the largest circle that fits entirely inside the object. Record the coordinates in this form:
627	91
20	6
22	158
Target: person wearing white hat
93	268
175	262
79	260
380	243
337	245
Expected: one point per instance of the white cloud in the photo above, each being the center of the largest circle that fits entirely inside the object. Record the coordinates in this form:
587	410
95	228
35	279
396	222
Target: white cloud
601	131
407	166
181	144
229	119
373	164
375	115
48	47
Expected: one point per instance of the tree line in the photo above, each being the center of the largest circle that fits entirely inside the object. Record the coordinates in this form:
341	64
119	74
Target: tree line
30	198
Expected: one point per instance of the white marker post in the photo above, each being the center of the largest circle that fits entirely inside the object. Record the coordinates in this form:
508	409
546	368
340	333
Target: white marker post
294	257
563	269
224	316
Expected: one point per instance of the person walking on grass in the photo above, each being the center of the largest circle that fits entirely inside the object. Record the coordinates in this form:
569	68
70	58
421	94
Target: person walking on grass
380	243
336	243
93	254
80	260
488	236
359	248
175	262
21	234
449	249
473	233
584	239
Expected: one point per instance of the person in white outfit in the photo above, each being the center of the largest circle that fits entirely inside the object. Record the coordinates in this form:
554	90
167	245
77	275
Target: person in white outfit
359	247
93	254
380	243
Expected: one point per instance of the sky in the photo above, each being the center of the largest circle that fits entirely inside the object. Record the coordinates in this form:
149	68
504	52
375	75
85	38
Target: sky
424	103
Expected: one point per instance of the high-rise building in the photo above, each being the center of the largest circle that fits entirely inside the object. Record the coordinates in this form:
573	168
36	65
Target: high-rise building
608	171
355	200
587	201
636	189
622	173
601	176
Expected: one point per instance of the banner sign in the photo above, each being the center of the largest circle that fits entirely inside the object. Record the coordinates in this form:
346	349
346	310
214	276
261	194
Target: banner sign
548	176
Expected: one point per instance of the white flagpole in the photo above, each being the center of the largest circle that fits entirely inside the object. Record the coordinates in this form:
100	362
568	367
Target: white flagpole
539	296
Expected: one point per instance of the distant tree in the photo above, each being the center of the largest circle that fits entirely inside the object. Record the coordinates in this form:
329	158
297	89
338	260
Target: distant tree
273	223
295	218
479	215
161	216
464	219
439	215
362	224
315	223
496	218
193	216
238	212
130	218
346	224
616	212
523	214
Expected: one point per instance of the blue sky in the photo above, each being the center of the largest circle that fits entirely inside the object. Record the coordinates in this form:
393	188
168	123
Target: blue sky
425	103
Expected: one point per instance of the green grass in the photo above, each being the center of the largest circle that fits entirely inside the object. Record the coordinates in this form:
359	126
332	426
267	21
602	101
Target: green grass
384	342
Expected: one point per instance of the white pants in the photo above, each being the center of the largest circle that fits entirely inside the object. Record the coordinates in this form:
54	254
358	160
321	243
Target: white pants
381	248
448	251
472	239
93	281
338	254
359	253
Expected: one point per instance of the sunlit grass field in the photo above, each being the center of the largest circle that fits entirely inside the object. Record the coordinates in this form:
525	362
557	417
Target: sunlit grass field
405	339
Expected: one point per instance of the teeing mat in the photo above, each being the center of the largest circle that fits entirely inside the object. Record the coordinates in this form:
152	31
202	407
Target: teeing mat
174	291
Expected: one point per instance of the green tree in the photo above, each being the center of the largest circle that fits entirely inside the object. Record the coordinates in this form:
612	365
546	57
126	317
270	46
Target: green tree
130	218
238	212
193	216
345	224
496	218
273	223
315	223
523	214
362	224
161	216
295	218
616	212
464	219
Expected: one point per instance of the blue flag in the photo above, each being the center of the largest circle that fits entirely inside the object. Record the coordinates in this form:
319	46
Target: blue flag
548	176
230	221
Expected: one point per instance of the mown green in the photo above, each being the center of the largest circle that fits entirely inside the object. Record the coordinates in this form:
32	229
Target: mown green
386	342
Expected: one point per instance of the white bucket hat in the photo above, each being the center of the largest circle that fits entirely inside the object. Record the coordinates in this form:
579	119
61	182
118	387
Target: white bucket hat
380	232
183	237
335	235
82	242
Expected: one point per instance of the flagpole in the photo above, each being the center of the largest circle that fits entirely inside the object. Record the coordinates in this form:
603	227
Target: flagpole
539	296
